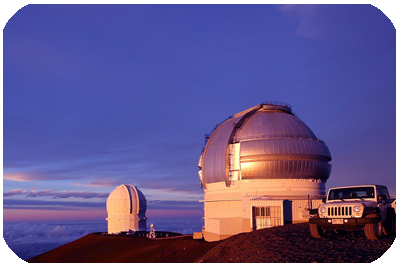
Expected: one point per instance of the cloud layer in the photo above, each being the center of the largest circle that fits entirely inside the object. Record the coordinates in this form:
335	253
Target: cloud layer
27	240
67	200
56	194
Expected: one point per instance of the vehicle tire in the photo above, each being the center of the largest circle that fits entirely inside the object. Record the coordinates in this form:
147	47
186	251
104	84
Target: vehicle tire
390	225
373	231
316	231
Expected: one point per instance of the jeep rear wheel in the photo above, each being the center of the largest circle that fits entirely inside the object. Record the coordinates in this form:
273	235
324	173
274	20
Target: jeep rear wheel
316	231
373	231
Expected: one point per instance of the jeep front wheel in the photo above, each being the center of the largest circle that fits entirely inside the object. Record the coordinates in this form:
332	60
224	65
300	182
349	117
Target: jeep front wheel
373	231
316	231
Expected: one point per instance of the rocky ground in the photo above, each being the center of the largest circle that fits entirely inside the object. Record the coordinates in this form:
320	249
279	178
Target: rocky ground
290	243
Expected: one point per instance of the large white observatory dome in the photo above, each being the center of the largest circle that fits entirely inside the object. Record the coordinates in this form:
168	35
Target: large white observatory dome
126	208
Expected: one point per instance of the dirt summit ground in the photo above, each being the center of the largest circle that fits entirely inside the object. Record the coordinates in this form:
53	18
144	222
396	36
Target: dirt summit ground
287	244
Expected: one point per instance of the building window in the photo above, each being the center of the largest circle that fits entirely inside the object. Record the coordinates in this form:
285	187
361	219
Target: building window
262	211
266	216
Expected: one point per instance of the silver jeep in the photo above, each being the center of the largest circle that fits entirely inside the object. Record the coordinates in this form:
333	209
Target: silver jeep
366	207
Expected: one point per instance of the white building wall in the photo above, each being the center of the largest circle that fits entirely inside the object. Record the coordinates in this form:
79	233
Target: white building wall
228	211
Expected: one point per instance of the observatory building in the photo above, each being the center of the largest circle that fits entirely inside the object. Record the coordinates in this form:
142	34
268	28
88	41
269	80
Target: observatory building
260	168
126	207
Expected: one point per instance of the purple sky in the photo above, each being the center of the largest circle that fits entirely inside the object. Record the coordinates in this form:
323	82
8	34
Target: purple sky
98	96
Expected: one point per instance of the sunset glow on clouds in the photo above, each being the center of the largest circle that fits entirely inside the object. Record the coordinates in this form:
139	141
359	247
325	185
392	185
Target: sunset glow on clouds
21	215
55	194
16	177
36	205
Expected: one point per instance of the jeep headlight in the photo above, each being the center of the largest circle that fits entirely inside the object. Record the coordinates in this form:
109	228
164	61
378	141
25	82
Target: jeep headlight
322	210
357	208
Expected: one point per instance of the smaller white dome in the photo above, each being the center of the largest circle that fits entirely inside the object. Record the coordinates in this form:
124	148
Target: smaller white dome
126	208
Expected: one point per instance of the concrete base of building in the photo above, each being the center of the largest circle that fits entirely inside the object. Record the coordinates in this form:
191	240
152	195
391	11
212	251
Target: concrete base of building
198	235
211	237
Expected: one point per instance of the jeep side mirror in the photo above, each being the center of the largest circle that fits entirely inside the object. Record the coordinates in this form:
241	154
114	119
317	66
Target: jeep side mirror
324	200
382	197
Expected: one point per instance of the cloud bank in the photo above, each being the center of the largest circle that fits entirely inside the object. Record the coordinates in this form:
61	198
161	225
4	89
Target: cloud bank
56	194
27	240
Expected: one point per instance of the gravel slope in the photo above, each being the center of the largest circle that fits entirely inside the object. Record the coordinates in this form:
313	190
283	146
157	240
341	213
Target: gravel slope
290	243
104	249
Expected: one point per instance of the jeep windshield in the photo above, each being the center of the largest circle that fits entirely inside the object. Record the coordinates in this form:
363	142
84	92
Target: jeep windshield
351	193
